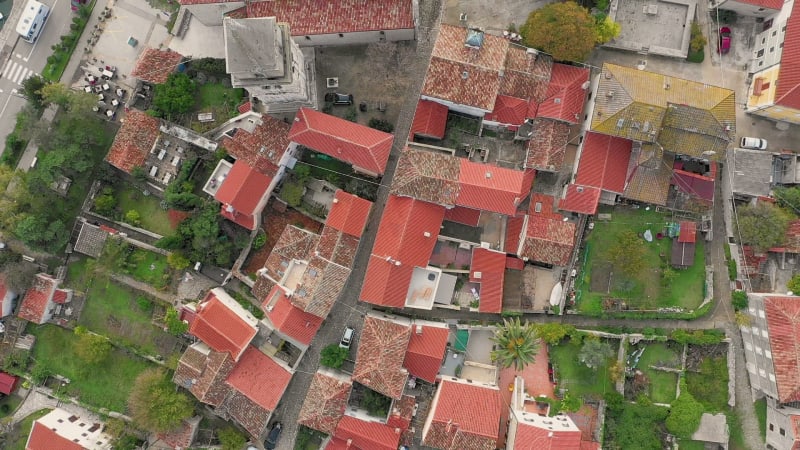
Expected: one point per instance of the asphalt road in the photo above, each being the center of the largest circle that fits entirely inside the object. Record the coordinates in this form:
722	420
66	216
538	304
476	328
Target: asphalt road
27	59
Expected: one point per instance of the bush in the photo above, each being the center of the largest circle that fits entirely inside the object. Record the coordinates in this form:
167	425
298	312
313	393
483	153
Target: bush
133	217
351	114
333	356
739	300
380	124
292	193
260	240
231	439
733	271
684	415
697	337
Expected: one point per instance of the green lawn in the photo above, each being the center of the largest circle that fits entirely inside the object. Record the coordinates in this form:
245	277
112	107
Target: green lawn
148	267
662	385
646	290
153	217
761	413
659	354
575	376
105	386
710	385
692	445
23	429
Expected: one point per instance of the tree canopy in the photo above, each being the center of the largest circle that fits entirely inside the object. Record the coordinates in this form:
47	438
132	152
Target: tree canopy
684	415
174	97
628	253
517	344
595	353
333	356
91	348
763	226
553	332
154	403
565	30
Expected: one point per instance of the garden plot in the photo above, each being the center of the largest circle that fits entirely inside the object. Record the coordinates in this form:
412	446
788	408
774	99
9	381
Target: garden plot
655	375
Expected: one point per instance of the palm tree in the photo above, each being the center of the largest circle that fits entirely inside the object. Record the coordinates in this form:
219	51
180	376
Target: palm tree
517	344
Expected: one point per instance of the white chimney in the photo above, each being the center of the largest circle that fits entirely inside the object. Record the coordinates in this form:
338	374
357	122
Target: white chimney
419	329
477	274
488	174
335	200
426	234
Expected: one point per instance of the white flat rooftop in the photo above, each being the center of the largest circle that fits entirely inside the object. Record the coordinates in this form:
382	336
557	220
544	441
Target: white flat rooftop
217	177
422	289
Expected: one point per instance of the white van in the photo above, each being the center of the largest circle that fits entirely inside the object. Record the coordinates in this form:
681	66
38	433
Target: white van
347	337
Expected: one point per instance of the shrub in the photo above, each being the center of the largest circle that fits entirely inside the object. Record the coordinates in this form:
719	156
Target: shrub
292	193
260	240
739	300
684	415
380	124
174	324
132	217
732	269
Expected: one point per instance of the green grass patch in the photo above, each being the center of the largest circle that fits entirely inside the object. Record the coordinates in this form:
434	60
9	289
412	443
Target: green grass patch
659	354
60	58
710	385
153	217
148	267
216	95
662	385
103	386
575	376
9	404
761	414
646	290
24	429
692	445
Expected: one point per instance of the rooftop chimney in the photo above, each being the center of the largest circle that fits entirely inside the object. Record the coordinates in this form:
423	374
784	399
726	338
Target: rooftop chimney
426	234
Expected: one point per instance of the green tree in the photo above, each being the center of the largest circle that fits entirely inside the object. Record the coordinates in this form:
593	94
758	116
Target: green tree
607	29
154	403
739	298
174	324
133	217
231	439
553	332
333	356
174	97
628	253
32	90
91	348
763	226
376	404
177	261
105	203
595	353
565	30
517	344
292	193
788	197
684	415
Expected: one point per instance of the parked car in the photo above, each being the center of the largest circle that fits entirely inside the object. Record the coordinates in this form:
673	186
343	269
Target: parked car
724	43
753	143
339	99
274	436
347	337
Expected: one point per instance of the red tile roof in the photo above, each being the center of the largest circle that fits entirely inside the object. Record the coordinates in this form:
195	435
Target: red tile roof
290	319
325	402
508	110
259	378
513	233
604	162
430	119
38	296
263	148
783	323
533	437
401	238
547	238
381	348
245	107
244	220
771	4
43	438
565	93
155	66
221	328
133	142
514	263
459	214
788	91
688	232
792	243
427	175
546	148
367	435
361	146
425	351
60	296
181	437
464	416
694	184
7	383
526	74
203	371
488	267
348	213
492	188
310	17
580	199
242	190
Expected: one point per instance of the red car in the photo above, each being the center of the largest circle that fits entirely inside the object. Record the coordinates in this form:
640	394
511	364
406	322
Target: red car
724	43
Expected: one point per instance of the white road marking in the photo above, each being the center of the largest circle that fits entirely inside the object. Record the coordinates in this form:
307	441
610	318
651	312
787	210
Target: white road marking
8	67
15	73
19	56
5	106
22	76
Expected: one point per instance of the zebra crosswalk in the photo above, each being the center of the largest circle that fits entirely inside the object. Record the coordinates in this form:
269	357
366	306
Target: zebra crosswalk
16	72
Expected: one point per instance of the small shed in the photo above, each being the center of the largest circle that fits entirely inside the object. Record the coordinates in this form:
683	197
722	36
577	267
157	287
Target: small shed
683	246
8	383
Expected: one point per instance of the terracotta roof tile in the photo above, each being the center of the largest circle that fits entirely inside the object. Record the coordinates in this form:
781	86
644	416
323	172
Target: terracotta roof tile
401	238
361	146
241	219
445	80
243	189
310	17
348	213
293	243
793	236
508	111
155	66
260	378
513	233
289	319
244	411
367	435
183	436
530	436
430	119
491	188
771	4
788	91
547	238
203	371
62	296
401	415
688	231
425	351
134	140
245	107
526	74
382	346
223	324
428	176
488	267
580	199
547	146
263	148
37	298
466	216
320	286
450	45
325	402
465	416
337	247
43	438
783	323
649	175
565	94
604	162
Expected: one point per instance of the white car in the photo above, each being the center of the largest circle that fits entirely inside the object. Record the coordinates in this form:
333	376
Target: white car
753	143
